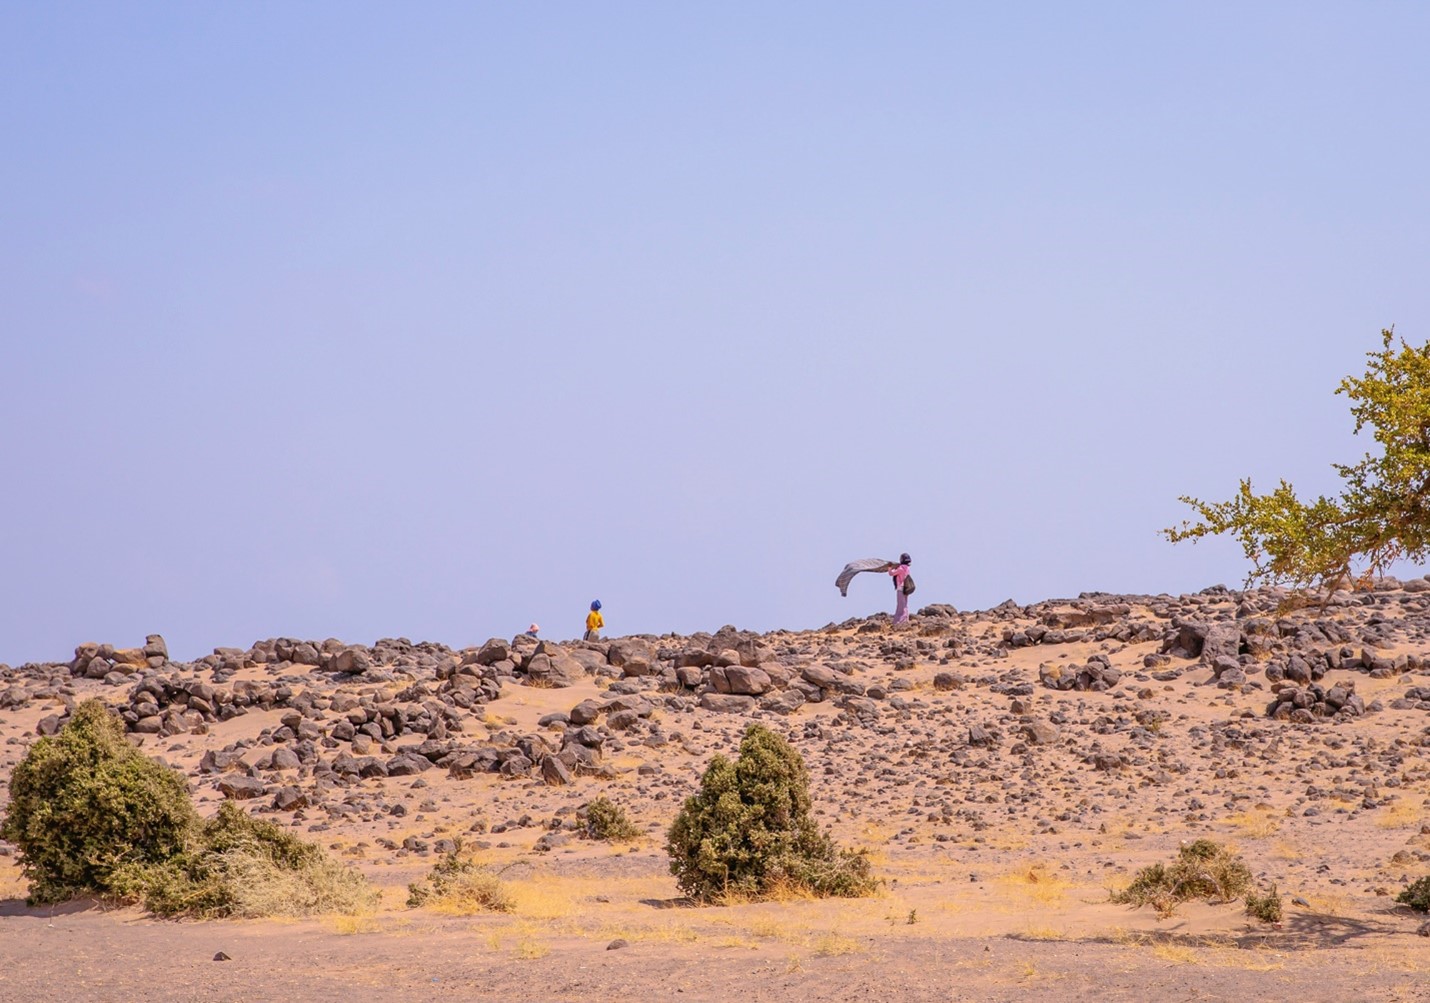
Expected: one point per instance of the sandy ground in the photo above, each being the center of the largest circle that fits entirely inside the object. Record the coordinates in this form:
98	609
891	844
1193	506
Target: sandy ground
997	861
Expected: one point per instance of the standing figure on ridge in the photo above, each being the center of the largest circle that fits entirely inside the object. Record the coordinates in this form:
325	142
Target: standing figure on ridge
594	623
903	587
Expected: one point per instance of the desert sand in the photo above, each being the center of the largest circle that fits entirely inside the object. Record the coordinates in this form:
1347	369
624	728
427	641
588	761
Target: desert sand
1005	769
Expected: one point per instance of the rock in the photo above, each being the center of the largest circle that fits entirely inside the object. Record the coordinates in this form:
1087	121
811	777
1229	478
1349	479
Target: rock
585	712
551	841
784	701
290	799
495	650
1038	732
554	772
554	668
727	703
154	647
619	943
624	651
284	759
622	720
352	661
239	788
820	675
406	764
742	680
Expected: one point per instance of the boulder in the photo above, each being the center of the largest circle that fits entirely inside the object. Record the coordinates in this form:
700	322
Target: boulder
240	788
554	668
554	772
727	703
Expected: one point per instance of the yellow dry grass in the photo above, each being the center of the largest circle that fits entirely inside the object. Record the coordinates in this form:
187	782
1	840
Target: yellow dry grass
1401	815
1042	933
346	926
1258	959
1330	904
1033	885
530	950
1381	958
1258	823
833	945
1285	849
1176	954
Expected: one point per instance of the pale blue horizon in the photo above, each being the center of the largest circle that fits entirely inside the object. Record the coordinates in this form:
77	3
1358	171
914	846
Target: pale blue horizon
360	320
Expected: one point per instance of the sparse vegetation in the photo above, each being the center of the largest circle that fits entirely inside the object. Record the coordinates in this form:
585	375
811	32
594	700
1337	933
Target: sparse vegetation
1203	870
237	865
606	820
461	886
92	815
749	831
1264	906
1383	512
85	802
1416	895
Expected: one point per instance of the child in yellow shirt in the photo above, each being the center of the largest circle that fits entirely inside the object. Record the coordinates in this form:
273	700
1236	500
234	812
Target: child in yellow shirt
594	623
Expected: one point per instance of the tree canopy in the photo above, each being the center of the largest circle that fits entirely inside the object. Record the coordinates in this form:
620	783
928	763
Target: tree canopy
1382	513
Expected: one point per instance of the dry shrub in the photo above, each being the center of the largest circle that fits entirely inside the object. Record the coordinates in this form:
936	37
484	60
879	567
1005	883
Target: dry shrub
1265	907
1202	870
460	886
236	865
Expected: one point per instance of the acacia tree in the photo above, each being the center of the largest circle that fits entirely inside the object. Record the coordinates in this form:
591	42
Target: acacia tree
1382	514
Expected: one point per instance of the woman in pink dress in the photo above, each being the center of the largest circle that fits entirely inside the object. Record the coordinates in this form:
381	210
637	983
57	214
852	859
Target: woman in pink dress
901	604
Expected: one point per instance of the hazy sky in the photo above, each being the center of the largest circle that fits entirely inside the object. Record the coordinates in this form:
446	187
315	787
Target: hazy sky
429	320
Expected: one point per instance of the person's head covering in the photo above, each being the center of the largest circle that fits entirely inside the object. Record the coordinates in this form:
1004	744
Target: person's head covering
533	628
595	605
905	559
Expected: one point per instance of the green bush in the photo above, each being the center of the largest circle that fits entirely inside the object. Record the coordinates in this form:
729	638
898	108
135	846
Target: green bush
1416	895
85	803
1267	907
1202	870
92	815
607	821
749	832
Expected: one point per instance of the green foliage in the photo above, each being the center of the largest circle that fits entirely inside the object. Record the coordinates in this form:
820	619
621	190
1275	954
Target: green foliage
1202	870
749	833
92	815
85	804
1265	907
460	885
607	821
1383	511
1416	895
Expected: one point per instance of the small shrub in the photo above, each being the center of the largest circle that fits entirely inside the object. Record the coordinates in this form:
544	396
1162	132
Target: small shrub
93	815
1202	870
749	832
1416	895
607	821
85	803
237	865
1266	908
461	886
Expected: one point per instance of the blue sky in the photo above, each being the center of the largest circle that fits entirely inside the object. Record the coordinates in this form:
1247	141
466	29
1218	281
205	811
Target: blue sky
366	320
